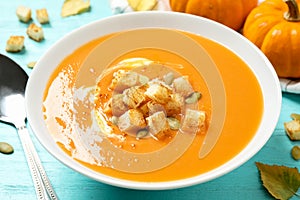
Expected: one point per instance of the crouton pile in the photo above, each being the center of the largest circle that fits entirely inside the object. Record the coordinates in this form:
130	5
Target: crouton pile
15	43
144	107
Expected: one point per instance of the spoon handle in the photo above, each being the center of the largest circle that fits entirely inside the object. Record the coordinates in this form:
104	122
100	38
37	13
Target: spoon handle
40	179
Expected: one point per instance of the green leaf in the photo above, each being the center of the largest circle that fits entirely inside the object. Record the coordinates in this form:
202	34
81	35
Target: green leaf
282	182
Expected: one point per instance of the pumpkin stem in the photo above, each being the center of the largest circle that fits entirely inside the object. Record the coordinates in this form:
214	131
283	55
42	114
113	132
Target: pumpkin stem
293	12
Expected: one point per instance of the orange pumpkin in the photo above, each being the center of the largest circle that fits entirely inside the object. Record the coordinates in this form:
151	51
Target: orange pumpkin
274	27
228	12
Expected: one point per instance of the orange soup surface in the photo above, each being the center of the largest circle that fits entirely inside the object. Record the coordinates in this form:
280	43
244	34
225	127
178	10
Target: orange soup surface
244	108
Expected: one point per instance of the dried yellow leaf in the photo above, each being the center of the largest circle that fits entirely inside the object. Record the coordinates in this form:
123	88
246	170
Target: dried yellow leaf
295	116
281	182
133	4
74	7
142	5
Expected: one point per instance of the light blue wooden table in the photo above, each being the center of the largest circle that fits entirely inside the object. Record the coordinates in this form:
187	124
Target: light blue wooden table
15	181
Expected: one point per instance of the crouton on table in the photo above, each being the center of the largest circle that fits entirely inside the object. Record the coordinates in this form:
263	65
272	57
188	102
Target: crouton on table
42	16
292	129
15	44
24	14
35	32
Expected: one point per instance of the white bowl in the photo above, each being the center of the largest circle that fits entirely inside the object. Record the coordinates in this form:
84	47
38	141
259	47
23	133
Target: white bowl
251	55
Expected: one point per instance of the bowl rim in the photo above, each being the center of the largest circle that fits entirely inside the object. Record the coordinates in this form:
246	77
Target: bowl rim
155	19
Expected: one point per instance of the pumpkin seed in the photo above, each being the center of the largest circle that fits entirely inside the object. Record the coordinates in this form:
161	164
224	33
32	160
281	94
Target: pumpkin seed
173	123
295	116
144	79
142	133
114	120
168	78
6	148
296	152
193	98
31	64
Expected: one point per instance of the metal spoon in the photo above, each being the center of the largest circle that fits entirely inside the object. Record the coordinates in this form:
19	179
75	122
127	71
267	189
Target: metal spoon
12	110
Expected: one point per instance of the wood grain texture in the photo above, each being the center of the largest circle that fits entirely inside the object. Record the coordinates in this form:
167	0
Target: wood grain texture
15	181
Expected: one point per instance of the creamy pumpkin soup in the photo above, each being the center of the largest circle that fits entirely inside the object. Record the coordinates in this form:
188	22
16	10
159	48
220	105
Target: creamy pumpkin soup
145	113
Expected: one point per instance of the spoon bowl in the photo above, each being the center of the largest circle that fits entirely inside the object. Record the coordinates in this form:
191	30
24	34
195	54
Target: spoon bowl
12	88
13	80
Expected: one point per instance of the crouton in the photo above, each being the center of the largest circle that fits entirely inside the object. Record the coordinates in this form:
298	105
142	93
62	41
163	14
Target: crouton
158	93
35	32
292	129
131	121
125	80
157	123
193	120
182	86
42	16
24	14
107	107
116	77
134	96
155	107
118	106
15	44
174	105
144	109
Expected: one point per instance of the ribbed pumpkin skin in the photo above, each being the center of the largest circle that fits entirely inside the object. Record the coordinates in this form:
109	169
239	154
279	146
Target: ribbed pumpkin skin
228	12
278	38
